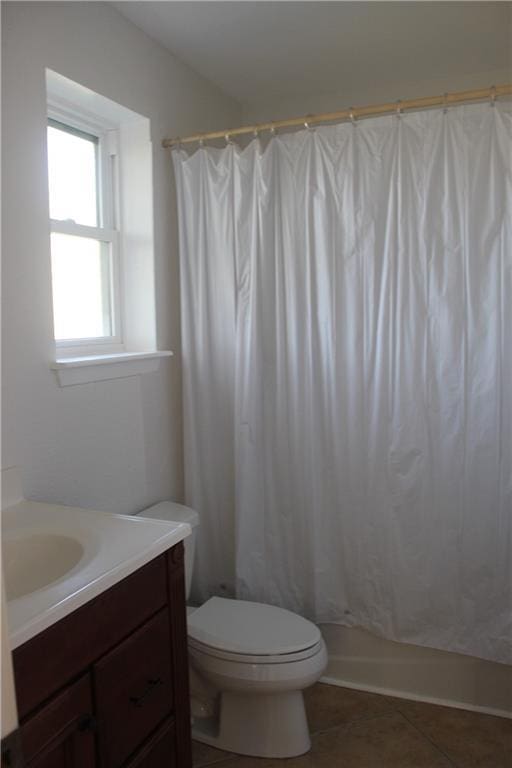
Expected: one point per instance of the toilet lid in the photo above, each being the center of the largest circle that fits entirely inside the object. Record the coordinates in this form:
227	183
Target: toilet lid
238	626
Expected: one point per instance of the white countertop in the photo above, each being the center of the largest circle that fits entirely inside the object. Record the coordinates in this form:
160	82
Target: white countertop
114	546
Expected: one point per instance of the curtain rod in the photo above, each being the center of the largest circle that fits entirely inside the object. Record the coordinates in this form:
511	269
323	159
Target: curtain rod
352	113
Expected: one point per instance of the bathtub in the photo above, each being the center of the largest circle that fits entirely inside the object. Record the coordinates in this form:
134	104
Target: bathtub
360	660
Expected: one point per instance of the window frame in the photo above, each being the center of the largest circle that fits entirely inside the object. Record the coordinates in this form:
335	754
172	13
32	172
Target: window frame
109	225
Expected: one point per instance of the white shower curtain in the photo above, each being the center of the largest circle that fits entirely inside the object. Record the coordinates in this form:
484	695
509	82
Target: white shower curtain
347	353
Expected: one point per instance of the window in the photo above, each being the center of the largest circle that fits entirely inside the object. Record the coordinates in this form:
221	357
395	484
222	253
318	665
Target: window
100	175
85	240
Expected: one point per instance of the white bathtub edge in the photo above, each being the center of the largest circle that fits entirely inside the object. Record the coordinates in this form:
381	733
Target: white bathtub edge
415	697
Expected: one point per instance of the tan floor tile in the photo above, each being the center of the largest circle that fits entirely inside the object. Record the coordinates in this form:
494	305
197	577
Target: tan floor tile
203	755
328	706
470	739
388	741
263	762
354	729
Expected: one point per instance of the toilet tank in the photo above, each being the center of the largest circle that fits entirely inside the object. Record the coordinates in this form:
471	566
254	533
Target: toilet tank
178	513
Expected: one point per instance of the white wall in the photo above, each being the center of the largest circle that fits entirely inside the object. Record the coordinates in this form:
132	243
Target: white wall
374	92
113	445
8	710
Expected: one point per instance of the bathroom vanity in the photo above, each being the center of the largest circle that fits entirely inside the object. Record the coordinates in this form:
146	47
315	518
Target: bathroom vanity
106	684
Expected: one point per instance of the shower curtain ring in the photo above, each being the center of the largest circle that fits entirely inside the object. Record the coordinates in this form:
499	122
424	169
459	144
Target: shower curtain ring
228	138
399	108
272	130
352	117
493	96
445	103
201	143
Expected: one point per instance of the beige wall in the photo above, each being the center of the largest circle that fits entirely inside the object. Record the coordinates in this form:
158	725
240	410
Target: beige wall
113	445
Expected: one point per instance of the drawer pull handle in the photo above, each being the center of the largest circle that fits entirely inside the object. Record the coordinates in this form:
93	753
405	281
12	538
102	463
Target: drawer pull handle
87	723
153	683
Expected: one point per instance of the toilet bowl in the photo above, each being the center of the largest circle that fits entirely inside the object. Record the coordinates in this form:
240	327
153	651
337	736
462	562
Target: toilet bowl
257	660
249	664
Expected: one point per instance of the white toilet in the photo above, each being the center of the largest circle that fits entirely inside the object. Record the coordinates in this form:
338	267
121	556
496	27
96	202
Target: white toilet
249	664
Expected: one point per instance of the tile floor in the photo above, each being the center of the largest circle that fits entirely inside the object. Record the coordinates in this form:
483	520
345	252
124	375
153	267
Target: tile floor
353	729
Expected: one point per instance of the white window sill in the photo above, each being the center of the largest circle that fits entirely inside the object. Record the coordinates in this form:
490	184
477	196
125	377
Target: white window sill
82	370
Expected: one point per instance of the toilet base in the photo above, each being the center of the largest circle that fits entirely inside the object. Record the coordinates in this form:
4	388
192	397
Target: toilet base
258	725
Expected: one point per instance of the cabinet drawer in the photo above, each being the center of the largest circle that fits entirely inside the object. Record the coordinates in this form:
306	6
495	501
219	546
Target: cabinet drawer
133	690
159	751
73	643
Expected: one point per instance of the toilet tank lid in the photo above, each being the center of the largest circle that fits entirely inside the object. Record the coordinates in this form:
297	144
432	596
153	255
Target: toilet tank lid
172	511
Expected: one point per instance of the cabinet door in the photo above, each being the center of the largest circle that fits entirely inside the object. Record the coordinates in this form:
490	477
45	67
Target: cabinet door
159	751
65	753
60	734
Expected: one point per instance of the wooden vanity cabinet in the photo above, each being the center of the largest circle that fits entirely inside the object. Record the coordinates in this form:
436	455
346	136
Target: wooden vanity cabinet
107	686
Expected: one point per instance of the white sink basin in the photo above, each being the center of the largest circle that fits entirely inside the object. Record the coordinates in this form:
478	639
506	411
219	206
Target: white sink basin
35	560
57	558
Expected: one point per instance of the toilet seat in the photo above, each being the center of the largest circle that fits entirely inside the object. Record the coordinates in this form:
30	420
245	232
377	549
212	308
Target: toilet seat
241	658
242	630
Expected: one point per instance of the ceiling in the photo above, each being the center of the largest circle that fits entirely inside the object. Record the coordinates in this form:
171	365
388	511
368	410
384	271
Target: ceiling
261	51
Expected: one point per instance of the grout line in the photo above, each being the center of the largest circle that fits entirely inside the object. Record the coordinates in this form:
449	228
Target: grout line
394	709
358	719
219	763
210	763
429	739
346	723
